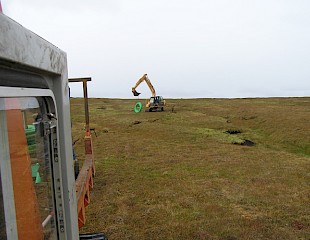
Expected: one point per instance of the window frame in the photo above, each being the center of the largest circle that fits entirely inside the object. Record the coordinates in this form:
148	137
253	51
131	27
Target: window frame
57	186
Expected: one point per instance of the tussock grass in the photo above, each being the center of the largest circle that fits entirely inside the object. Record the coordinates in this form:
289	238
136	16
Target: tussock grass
177	175
220	135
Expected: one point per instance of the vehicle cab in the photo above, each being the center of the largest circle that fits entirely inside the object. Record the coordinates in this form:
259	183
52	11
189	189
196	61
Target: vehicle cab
156	103
37	184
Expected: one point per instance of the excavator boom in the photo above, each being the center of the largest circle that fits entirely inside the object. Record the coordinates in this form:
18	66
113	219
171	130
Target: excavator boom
148	82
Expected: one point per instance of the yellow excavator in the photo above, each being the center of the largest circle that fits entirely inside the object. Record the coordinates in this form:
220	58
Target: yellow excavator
155	103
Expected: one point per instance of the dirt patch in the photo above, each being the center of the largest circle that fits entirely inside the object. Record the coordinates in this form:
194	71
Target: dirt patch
233	131
134	123
248	117
248	143
297	225
153	120
245	142
105	130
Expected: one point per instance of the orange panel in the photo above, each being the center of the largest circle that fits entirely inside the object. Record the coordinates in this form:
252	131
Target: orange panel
29	225
84	183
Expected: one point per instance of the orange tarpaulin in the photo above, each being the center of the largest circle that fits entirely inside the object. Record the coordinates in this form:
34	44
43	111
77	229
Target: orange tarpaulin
26	204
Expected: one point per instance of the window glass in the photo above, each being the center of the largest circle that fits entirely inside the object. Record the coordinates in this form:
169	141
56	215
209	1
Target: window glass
28	169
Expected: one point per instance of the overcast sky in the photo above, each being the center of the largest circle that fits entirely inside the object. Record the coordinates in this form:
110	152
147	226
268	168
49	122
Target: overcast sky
189	49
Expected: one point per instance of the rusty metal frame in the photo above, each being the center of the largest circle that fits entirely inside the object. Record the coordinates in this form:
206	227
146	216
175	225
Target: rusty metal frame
84	182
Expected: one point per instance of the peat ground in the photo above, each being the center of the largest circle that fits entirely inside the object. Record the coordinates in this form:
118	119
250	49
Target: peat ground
202	169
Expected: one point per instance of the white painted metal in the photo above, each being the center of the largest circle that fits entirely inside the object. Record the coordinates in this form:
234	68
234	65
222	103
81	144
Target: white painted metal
25	92
19	45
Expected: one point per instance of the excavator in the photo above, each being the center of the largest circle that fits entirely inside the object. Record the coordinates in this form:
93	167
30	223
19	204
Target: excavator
155	103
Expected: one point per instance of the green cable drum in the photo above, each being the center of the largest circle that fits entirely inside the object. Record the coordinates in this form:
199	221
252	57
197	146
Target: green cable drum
138	107
31	139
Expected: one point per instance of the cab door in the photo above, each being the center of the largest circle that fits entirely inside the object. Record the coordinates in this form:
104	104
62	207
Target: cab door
30	187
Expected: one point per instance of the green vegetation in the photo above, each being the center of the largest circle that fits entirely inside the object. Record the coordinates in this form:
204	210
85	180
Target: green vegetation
186	174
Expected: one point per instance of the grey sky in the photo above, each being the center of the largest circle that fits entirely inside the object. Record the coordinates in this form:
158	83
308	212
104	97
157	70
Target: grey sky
197	48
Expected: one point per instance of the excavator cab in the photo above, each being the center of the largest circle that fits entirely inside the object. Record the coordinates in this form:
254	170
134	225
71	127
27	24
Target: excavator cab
156	103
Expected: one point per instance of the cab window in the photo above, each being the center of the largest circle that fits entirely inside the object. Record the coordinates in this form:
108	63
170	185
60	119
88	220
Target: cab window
26	184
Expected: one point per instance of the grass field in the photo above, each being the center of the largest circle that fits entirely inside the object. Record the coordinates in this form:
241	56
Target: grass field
187	173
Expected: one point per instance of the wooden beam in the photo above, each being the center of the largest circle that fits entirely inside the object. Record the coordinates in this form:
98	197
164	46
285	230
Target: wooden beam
86	79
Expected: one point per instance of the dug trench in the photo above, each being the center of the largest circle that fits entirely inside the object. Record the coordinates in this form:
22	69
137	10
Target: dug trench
246	142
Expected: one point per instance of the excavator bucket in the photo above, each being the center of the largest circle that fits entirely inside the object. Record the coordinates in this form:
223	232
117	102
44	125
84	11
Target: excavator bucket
135	93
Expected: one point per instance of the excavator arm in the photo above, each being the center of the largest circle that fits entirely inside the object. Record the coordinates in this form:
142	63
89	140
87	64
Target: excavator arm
148	82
